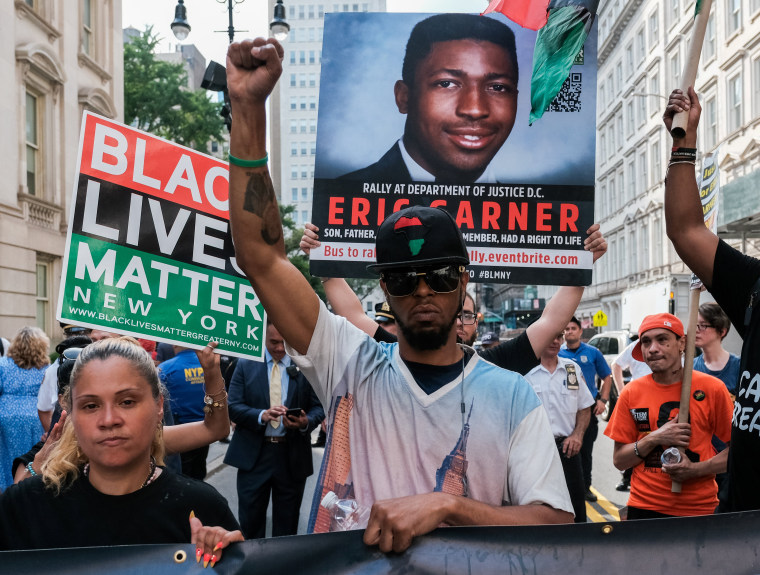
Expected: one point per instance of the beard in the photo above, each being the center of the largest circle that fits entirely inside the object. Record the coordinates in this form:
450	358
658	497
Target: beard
426	339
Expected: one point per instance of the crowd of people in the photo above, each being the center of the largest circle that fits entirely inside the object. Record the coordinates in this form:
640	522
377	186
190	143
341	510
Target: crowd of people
421	429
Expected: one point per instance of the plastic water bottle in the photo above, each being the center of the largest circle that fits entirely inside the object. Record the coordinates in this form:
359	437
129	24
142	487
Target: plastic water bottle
670	456
346	514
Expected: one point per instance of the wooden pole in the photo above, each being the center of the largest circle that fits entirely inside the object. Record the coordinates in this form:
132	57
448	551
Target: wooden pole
688	367
691	64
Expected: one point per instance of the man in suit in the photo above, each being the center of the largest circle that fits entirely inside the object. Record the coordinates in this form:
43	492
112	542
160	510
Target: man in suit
272	450
459	93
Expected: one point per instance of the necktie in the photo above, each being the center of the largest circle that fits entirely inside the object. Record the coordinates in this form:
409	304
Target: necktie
275	391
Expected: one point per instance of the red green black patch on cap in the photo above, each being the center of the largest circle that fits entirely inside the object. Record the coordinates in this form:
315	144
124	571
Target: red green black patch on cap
414	230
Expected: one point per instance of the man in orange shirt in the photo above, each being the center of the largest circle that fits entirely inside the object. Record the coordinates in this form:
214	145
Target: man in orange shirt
644	424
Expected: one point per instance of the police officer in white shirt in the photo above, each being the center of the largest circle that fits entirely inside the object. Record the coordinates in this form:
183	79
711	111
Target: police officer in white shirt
560	386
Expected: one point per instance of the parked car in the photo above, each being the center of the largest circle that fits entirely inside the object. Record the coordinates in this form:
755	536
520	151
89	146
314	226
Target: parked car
611	344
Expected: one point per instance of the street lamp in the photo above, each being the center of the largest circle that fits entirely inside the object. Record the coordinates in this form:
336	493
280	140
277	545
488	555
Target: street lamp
180	25
278	26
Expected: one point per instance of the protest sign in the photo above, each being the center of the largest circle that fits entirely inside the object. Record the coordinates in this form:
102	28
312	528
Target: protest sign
724	543
522	195
149	251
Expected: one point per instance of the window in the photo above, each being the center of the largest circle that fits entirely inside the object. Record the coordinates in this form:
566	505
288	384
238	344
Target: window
311	11
304	216
43	294
641	104
294	173
644	249
612	147
320	11
312	80
642	167
631	120
292	36
602	93
620	187
312	56
622	257
303	126
656	164
672	11
294	194
312	103
641	45
302	57
303	148
313	148
603	201
293	103
618	77
304	194
87	21
675	67
303	102
613	195
631	179
603	148
734	103
293	149
292	57
304	172
311	35
32	144
302	80
654	89
292	12
654	29
619	127
710	123
657	237
312	126
302	12
733	16
708	48
293	126
629	60
292	80
756	87
632	263
612	261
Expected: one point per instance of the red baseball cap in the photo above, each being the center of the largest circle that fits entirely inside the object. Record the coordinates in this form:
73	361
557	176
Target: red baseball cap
659	320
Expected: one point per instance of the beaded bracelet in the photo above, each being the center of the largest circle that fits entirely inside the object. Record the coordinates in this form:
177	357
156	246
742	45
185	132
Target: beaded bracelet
211	403
30	469
636	450
248	163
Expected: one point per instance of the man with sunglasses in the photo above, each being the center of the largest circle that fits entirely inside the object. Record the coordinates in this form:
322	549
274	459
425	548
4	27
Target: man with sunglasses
422	431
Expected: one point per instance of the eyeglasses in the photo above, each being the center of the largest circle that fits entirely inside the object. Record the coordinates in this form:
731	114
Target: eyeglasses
703	326
440	280
468	318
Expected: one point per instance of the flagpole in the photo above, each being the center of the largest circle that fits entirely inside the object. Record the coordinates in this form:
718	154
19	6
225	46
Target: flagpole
691	64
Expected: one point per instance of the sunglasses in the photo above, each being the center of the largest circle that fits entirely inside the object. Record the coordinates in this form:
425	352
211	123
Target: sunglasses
440	280
71	353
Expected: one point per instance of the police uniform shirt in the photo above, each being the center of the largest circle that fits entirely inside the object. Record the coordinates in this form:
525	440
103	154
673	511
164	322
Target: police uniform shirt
563	393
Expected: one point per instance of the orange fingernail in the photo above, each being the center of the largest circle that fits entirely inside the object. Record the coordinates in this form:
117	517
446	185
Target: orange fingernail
198	553
206	559
218	546
192	514
213	560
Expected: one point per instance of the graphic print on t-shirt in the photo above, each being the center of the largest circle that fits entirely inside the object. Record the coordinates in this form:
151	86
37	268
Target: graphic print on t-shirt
451	476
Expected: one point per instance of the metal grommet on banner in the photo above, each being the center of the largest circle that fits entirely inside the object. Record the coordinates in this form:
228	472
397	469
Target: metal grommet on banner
607	529
180	556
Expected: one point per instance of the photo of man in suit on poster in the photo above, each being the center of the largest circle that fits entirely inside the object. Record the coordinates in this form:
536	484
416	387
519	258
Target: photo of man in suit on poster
440	98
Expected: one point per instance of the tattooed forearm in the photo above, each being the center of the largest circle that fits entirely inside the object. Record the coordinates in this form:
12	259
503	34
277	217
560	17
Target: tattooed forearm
260	200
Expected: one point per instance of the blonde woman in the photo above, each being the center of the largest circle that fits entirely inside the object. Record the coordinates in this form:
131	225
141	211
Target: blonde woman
21	375
103	483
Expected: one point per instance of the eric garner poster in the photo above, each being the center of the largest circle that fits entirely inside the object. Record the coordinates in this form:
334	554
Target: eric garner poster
419	109
149	251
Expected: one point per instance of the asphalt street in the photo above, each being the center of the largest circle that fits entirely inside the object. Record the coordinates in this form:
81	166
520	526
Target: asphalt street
604	476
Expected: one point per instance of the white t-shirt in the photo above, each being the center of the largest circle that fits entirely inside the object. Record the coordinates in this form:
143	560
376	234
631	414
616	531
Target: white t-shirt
562	399
626	361
389	439
48	393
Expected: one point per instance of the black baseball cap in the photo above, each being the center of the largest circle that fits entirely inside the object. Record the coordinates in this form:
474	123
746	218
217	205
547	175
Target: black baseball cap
418	236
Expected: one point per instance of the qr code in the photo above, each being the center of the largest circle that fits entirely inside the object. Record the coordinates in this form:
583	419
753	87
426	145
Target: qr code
569	97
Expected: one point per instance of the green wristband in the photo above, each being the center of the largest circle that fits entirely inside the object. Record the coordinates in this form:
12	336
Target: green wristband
248	163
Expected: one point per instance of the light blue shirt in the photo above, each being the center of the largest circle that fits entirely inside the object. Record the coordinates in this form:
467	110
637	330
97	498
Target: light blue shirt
284	363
